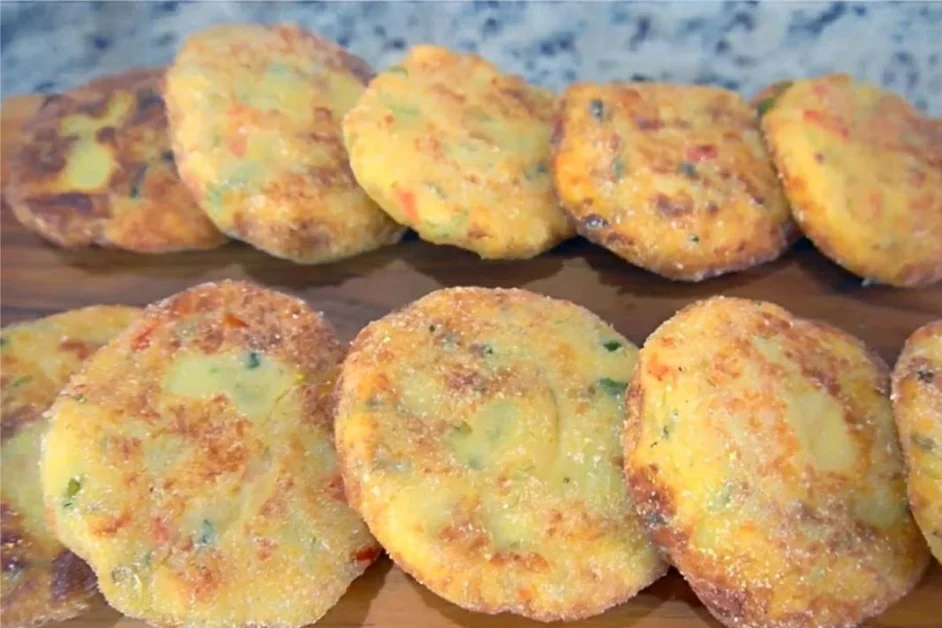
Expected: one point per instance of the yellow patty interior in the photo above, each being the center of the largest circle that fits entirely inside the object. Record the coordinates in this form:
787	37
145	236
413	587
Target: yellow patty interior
673	178
459	152
198	484
918	411
765	451
256	115
480	435
863	175
37	360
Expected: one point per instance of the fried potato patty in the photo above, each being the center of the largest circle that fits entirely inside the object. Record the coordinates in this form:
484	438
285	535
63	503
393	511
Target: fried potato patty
454	149
863	173
255	116
673	178
761	453
95	168
917	406
192	464
478	434
41	580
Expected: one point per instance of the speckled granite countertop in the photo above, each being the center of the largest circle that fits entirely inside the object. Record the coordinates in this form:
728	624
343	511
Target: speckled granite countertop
48	46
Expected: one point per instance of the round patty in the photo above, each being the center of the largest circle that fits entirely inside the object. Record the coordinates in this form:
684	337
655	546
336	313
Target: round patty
863	172
95	168
192	464
454	149
255	117
41	580
761	453
673	178
478	434
917	406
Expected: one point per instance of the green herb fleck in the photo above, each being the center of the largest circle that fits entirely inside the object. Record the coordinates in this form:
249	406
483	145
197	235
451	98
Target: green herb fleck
136	181
668	428
207	534
618	168
612	345
71	490
537	170
397	69
923	442
567	479
4	341
440	193
688	169
777	90
720	500
924	375
79	398
433	328
214	196
597	109
403	111
462	430
253	360
765	105
475	463
694	238
482	349
611	387
19	381
120	574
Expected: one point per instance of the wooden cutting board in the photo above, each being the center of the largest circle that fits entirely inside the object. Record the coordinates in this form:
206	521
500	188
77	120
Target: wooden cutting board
36	280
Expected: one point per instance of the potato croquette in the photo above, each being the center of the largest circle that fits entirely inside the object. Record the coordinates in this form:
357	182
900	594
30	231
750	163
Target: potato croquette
255	116
478	435
191	464
863	173
672	178
95	168
917	407
761	453
459	152
41	581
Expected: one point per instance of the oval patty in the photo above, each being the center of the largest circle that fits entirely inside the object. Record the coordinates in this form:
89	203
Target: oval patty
761	452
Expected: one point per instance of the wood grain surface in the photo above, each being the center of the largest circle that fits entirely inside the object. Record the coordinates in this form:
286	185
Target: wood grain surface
37	280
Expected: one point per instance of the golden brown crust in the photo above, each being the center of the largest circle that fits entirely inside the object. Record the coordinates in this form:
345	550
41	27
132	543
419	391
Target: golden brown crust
762	457
917	407
255	115
40	580
862	170
214	498
672	178
452	148
477	434
95	168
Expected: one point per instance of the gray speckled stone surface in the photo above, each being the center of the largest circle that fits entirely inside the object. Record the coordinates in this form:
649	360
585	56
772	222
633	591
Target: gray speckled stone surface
49	46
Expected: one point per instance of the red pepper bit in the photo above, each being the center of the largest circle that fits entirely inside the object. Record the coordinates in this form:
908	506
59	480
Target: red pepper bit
367	555
407	200
818	117
701	152
141	340
237	145
335	488
232	320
